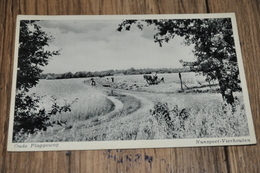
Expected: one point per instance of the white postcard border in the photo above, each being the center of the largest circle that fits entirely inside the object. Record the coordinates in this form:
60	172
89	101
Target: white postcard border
165	143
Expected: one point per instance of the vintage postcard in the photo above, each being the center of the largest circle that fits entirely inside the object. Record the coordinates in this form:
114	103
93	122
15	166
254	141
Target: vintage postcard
128	81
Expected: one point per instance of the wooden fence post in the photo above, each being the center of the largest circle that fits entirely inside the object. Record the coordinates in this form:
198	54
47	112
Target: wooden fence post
181	81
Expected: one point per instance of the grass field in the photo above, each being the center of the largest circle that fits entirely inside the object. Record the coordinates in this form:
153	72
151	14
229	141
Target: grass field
95	117
88	101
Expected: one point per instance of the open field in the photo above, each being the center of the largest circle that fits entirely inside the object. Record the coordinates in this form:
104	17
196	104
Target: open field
171	83
127	113
87	101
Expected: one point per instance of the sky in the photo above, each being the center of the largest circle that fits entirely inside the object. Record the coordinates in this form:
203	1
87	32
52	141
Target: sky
96	45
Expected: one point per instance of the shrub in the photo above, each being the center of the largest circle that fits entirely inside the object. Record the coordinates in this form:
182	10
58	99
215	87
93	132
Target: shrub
29	118
215	119
161	111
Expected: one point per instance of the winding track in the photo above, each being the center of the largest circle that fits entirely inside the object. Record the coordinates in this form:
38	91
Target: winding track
146	104
118	104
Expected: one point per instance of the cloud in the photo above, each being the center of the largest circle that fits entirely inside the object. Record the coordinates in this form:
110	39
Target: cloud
77	26
96	48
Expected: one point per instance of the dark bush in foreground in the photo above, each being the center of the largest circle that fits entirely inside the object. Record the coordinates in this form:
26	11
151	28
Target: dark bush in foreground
29	118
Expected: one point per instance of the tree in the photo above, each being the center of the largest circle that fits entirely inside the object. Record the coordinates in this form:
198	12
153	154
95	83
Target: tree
31	57
214	48
32	54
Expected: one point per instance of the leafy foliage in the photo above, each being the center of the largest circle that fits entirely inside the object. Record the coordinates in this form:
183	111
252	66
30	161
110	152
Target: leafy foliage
152	79
30	118
160	111
32	55
214	47
27	116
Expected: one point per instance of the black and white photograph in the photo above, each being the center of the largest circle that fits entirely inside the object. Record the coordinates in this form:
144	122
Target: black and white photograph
129	81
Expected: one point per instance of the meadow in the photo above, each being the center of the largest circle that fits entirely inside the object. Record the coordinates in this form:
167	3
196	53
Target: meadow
136	111
171	82
86	101
170	90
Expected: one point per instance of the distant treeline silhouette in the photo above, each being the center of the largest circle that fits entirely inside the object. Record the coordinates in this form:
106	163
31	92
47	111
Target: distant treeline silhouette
131	71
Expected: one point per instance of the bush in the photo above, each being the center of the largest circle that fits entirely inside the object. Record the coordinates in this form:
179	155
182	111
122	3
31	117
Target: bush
161	111
29	118
217	119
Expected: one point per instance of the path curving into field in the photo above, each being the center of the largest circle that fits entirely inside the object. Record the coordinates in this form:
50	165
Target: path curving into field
146	103
123	125
118	104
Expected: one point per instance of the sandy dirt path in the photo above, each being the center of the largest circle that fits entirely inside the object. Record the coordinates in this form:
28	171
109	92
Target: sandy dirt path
118	104
131	126
136	125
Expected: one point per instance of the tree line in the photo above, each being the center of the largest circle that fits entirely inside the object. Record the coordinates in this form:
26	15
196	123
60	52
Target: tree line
131	71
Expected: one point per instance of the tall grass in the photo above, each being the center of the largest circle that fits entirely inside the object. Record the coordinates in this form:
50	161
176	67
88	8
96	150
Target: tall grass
88	101
91	117
214	119
90	120
107	127
85	102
